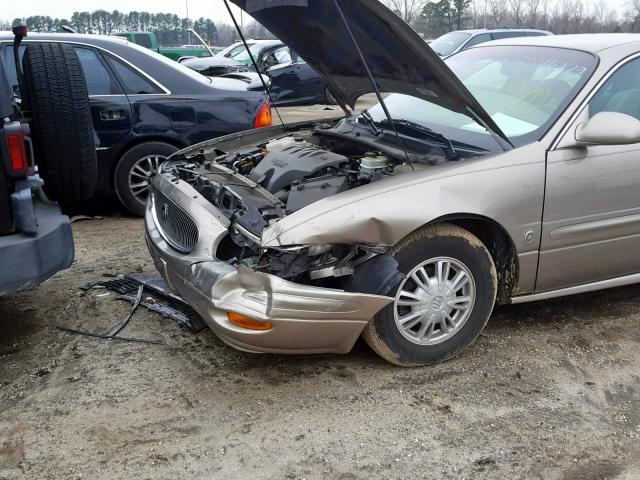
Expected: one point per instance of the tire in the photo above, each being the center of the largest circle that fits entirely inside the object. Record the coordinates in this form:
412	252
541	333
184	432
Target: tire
145	157
61	126
329	99
464	253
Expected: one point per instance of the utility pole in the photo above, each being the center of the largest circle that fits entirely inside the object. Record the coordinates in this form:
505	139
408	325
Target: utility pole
186	3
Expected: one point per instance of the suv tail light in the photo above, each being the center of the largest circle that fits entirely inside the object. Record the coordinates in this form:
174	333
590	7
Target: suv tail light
16	146
263	119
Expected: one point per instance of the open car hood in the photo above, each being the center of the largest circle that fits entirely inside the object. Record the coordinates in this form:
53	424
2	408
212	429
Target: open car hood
400	61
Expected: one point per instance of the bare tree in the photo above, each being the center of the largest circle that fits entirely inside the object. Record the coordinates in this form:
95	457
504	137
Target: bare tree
517	11
545	13
477	13
498	9
560	16
408	10
633	12
576	18
534	7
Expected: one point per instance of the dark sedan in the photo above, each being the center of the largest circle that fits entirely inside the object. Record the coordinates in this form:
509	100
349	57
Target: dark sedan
292	80
145	107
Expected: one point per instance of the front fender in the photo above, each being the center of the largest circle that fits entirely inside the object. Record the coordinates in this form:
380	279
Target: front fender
507	188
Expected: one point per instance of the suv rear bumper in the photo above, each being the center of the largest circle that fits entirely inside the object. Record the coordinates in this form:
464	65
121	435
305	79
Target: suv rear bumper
27	260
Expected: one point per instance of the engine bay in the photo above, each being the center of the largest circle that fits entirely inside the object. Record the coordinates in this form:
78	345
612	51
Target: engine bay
257	185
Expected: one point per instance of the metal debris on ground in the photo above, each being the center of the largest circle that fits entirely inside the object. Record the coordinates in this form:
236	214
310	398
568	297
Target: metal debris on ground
176	308
118	328
121	286
155	283
136	303
191	322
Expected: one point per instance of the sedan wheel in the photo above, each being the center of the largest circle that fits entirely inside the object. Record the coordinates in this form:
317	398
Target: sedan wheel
443	301
434	301
134	171
140	175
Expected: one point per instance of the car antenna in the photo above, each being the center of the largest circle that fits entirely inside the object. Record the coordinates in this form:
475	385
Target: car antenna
372	80
253	60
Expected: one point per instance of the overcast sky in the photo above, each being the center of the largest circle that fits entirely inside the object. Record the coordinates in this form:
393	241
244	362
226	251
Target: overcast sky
213	9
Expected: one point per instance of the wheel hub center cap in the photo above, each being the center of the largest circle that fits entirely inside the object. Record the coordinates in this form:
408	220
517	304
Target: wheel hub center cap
437	302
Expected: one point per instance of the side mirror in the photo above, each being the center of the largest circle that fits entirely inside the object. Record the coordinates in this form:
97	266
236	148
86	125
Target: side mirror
609	128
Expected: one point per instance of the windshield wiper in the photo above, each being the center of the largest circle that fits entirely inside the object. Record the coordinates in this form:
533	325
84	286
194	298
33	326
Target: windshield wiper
370	122
448	150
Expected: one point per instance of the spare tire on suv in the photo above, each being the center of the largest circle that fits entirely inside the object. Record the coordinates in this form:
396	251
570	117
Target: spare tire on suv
62	131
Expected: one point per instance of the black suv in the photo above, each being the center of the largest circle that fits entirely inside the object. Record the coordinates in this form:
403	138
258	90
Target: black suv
47	153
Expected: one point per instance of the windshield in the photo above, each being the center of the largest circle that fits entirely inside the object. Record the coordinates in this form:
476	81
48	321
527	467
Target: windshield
523	90
449	42
243	55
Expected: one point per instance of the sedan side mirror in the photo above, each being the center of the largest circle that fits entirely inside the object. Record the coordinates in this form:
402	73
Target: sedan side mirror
609	128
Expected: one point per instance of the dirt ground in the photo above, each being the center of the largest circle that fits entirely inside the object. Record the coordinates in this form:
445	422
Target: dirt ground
551	390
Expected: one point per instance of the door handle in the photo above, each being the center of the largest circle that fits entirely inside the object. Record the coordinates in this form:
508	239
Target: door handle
112	115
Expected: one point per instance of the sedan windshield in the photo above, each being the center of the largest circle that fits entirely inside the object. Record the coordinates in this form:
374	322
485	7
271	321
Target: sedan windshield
523	89
449	42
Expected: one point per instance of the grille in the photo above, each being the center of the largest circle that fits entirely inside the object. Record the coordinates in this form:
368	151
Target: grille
175	225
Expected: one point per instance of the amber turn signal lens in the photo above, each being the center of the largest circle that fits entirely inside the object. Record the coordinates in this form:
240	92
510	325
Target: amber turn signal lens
248	322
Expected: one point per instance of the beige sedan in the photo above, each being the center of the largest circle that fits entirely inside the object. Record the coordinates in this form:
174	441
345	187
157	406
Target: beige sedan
511	174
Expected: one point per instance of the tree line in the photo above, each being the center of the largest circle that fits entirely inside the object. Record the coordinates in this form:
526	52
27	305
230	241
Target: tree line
170	29
433	18
429	17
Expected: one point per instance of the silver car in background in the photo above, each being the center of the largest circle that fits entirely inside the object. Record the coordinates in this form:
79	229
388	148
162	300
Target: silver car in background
459	40
520	182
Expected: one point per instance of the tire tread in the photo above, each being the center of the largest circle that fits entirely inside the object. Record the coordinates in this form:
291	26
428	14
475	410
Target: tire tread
63	138
371	336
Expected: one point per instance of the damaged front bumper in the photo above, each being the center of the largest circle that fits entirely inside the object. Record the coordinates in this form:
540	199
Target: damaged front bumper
183	233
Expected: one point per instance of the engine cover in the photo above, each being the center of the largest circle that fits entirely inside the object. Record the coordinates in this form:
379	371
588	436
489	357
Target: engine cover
284	165
310	191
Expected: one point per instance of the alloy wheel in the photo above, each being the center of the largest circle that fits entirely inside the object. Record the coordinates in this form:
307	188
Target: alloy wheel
140	175
434	300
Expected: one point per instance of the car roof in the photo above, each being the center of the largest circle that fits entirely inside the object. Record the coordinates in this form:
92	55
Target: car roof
69	37
165	73
493	30
588	42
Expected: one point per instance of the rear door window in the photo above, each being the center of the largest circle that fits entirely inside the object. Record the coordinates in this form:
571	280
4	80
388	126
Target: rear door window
134	83
99	80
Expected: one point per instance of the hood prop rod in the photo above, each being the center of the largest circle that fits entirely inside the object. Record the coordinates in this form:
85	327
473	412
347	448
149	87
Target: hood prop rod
253	60
372	80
